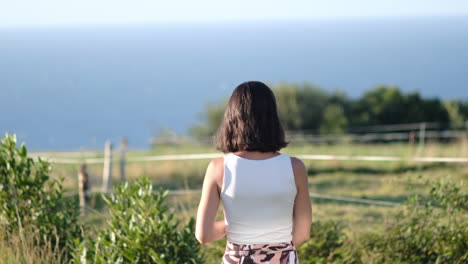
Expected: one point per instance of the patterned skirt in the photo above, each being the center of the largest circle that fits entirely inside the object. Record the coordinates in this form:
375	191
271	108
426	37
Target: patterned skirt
273	253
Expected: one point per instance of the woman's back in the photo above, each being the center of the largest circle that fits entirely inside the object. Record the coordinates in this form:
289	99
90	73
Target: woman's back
258	199
267	210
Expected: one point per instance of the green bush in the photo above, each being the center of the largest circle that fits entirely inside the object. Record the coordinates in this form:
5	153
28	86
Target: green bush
425	229
140	230
328	244
32	202
432	229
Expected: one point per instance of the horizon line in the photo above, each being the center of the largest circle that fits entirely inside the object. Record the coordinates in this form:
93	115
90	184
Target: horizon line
233	21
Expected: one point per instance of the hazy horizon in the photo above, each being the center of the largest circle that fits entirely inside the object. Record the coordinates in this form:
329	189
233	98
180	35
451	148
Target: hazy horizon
48	12
72	88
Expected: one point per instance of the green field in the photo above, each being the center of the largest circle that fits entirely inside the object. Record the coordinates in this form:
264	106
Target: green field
378	180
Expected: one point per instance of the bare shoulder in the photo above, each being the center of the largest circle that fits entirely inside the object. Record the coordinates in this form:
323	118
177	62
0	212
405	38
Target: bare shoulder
297	164
216	164
215	170
300	171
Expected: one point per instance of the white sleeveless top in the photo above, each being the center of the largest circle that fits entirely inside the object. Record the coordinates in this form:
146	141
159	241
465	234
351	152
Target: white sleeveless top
258	199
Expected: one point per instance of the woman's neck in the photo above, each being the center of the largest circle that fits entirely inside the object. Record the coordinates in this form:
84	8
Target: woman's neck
256	155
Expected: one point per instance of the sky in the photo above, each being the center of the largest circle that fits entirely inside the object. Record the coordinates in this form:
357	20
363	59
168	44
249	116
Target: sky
76	12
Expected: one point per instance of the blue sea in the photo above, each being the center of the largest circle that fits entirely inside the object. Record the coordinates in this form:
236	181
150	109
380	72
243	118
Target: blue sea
73	87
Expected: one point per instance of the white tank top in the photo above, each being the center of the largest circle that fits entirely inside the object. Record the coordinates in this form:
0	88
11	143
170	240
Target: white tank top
258	199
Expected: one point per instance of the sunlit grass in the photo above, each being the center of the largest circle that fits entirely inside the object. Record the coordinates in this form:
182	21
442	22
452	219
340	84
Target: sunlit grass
21	247
389	181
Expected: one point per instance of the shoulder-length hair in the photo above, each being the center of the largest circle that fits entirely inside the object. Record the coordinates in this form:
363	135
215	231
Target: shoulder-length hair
251	121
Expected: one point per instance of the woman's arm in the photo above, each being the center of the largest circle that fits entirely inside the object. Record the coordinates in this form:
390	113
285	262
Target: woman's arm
302	215
207	229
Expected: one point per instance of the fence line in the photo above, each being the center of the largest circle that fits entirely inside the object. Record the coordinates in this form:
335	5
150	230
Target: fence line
301	156
409	136
383	158
312	195
405	127
107	168
380	136
393	132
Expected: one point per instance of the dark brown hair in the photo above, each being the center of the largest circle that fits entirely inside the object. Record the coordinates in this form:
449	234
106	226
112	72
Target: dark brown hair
251	121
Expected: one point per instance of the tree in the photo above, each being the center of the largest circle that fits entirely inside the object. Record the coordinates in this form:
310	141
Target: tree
334	120
300	106
309	107
454	113
382	105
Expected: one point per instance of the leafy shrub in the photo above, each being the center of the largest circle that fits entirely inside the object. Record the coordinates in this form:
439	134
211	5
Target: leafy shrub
140	230
328	244
31	201
432	229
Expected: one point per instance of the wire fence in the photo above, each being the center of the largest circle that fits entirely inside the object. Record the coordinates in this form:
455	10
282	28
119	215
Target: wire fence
377	133
409	132
303	156
313	195
107	176
217	155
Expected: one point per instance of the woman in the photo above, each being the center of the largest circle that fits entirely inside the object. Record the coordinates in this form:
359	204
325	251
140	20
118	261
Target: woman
265	195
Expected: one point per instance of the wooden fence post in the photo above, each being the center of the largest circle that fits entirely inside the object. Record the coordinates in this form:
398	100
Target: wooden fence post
123	150
422	136
107	170
83	185
411	137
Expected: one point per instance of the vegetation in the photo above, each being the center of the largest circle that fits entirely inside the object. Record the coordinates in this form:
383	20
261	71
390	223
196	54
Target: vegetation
140	230
328	244
32	204
39	225
310	108
135	225
426	229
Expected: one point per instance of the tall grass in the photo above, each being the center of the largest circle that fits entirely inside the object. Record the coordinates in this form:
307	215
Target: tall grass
345	222
22	247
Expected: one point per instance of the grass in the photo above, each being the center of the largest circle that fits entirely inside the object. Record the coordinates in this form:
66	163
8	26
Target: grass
189	173
389	181
392	181
19	247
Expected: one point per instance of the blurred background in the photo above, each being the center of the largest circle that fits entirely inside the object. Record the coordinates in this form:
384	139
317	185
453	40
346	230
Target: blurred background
74	74
373	96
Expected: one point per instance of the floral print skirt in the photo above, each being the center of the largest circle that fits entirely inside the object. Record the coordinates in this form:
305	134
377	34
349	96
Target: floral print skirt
273	253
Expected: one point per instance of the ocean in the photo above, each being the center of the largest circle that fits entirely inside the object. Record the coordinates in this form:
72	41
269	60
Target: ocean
73	87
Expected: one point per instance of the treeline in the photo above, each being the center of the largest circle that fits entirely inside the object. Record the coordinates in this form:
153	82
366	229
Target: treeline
313	109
